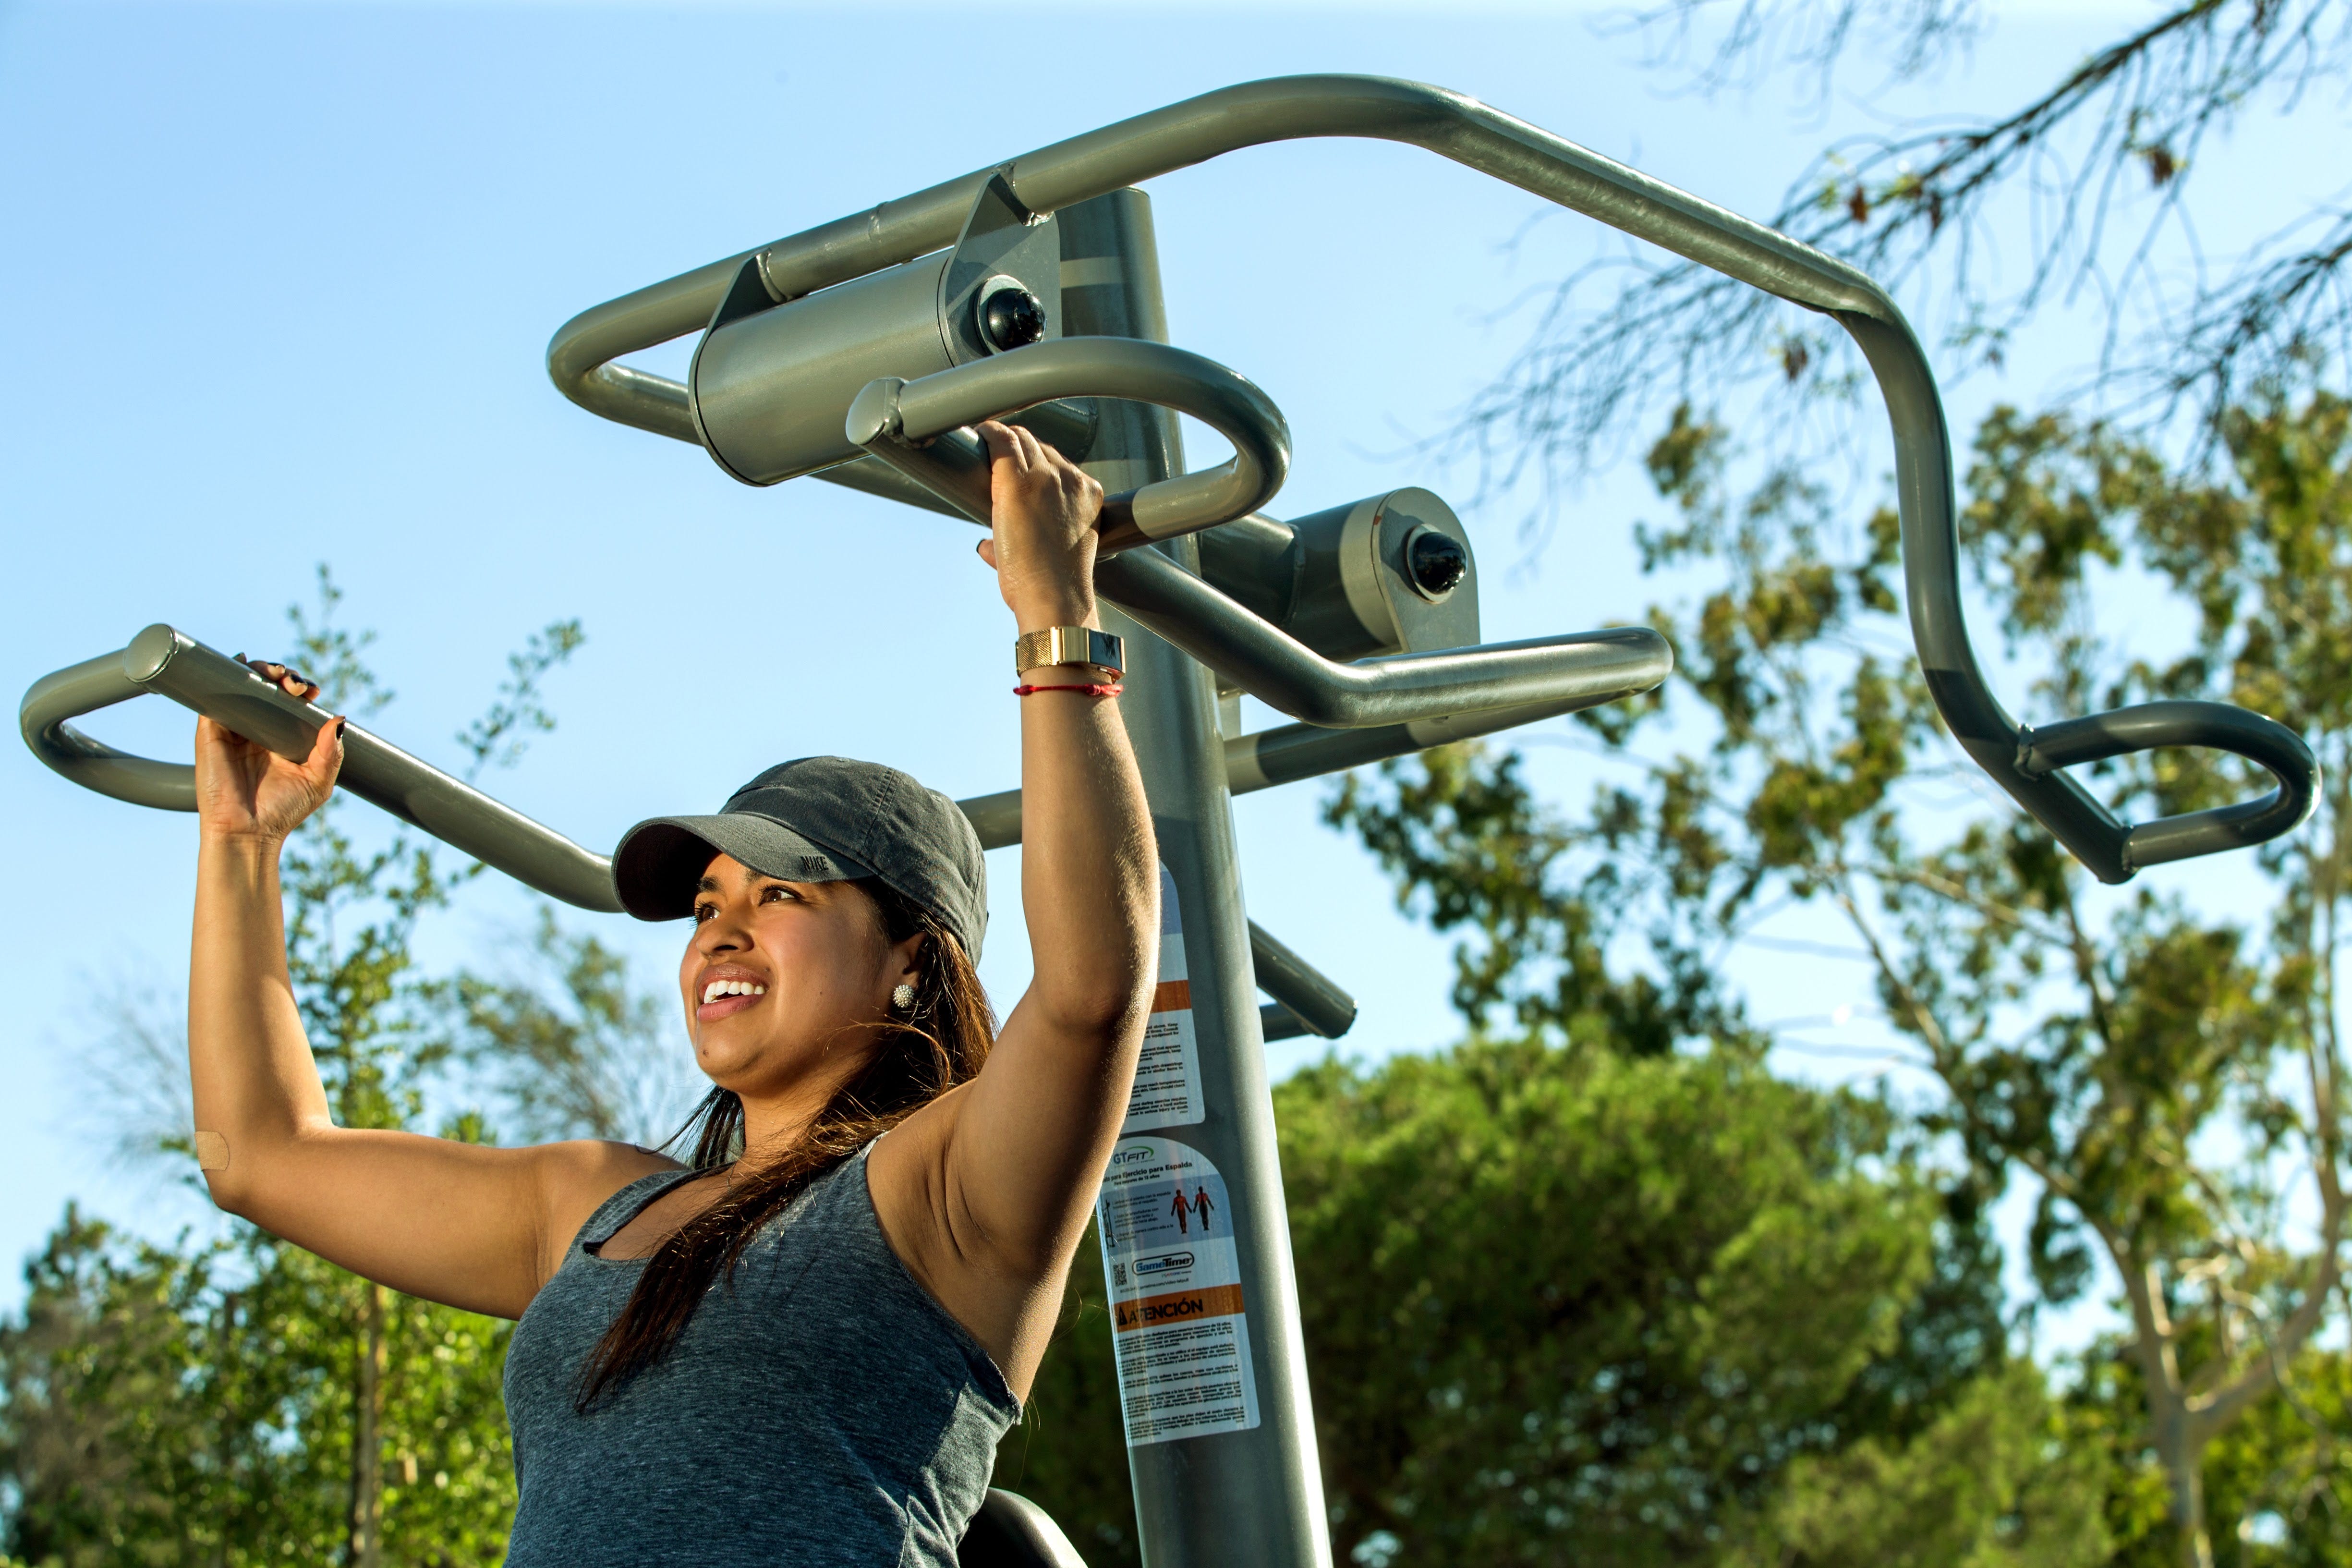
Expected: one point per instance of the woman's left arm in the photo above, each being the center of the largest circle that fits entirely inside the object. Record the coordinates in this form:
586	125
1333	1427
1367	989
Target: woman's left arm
1009	1163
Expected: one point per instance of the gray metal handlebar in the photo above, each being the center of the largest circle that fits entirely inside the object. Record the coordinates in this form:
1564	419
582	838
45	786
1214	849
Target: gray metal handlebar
921	428
165	662
86	687
1478	137
175	665
1582	667
2112	848
2215	725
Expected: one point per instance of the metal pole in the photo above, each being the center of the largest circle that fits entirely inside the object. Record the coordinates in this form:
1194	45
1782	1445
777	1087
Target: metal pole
1197	1243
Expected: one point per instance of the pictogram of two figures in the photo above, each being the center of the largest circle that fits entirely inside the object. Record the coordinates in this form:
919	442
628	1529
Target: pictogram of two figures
1183	1208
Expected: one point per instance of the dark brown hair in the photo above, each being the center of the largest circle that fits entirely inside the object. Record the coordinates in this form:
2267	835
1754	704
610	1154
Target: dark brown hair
925	1051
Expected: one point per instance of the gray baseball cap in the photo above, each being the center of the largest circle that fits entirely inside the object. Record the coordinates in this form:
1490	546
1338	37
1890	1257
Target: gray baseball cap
818	819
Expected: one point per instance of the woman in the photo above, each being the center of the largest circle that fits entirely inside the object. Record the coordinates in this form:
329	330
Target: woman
801	1346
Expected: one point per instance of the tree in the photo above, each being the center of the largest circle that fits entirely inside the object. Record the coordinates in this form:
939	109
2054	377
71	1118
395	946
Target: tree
1998	1480
1658	1309
2163	1073
1600	1279
198	1405
1570	1302
570	1049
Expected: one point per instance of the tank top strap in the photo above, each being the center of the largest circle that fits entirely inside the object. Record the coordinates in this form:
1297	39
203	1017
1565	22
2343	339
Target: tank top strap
840	1193
625	1205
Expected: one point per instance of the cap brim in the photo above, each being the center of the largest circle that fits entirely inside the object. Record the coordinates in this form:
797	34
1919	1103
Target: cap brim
659	864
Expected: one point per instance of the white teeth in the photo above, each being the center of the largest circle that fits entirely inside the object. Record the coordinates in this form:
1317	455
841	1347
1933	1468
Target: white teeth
718	988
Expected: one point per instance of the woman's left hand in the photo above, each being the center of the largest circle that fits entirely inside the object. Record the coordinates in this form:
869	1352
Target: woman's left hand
1043	543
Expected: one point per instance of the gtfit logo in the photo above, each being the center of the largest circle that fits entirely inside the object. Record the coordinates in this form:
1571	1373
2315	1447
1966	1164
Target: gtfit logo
1129	1156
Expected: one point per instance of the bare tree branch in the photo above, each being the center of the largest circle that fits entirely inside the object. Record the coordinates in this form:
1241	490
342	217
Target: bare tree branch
2141	109
1815	36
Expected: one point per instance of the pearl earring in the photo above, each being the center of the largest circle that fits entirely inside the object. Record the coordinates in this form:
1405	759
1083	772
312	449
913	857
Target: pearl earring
903	998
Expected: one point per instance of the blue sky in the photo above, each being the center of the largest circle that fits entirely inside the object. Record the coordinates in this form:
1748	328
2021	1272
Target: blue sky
278	283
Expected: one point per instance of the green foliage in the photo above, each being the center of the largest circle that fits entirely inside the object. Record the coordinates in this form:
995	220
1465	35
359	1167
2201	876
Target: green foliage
1568	1303
193	1404
2278	1481
2000	1480
1472	846
1558	1301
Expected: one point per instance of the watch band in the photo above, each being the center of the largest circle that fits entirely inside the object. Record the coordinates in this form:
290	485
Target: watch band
1068	645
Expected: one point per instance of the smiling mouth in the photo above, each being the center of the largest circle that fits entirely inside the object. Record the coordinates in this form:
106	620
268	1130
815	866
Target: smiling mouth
725	998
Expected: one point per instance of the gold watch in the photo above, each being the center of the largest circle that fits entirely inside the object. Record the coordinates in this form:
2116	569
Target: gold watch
1068	645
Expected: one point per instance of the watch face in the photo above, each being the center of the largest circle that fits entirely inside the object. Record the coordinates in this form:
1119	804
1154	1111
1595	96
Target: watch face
1070	644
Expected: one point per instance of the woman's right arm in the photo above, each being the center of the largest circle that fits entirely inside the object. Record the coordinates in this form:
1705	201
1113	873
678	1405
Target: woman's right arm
473	1226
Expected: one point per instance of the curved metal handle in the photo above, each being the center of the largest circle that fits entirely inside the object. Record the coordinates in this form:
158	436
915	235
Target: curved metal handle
171	663
920	427
86	687
2111	850
1582	667
2217	726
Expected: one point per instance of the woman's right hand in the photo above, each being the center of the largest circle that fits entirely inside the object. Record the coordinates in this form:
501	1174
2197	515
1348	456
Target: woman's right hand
248	791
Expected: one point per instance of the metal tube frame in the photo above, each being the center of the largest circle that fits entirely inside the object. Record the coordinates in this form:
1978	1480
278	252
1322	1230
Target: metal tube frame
1469	133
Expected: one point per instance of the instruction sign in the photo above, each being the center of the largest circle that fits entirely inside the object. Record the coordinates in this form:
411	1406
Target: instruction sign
1168	1077
1180	1325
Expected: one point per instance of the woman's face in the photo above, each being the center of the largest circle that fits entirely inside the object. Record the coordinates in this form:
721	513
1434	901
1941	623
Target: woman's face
782	979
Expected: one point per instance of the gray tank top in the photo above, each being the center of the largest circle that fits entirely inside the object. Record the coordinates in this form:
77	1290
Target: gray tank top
824	1412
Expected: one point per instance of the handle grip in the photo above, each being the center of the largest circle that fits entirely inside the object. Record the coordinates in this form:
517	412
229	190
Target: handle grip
922	428
169	663
2216	726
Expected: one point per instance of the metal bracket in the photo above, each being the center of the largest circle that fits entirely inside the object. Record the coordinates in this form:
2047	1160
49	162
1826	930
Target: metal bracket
765	389
1001	238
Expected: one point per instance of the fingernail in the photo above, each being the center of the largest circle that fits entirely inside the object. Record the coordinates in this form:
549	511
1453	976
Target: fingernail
340	725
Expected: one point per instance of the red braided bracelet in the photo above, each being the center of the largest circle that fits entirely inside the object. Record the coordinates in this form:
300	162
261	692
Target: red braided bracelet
1089	690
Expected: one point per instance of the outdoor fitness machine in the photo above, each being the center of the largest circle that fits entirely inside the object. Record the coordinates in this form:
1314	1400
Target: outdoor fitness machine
862	350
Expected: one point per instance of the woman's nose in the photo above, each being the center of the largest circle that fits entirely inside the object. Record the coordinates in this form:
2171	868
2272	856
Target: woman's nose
722	932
